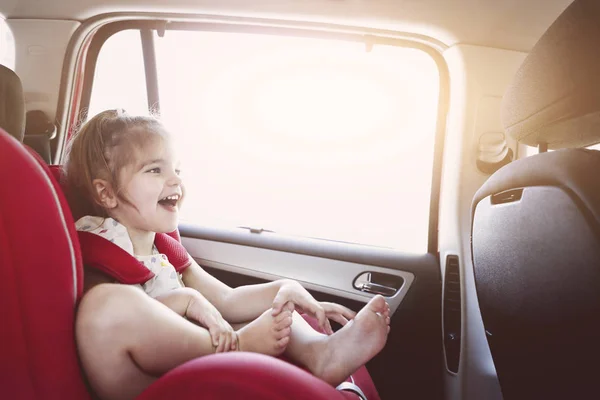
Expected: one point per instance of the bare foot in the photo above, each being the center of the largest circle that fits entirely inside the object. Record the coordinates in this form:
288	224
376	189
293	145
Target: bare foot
267	334
342	353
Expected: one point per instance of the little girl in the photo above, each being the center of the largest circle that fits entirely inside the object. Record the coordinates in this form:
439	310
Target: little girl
124	177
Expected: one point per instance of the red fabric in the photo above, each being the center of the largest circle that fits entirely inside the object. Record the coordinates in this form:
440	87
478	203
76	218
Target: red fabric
175	235
174	250
109	258
56	172
41	281
256	377
35	155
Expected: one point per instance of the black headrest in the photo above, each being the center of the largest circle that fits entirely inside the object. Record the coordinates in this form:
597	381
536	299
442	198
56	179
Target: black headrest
555	96
573	170
12	103
38	123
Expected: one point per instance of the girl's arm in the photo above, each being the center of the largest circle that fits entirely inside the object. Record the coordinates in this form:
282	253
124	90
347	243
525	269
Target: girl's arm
242	304
246	303
189	303
178	300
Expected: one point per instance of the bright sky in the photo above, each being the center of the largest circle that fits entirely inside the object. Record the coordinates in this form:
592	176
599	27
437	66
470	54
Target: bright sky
301	136
7	45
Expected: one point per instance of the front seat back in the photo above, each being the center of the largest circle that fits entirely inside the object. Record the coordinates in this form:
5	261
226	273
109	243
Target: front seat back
536	254
536	222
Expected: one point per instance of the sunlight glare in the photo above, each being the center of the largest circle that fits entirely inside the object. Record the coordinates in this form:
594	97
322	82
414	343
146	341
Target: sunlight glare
303	136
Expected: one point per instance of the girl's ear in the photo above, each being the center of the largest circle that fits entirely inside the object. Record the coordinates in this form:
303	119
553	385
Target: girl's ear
105	196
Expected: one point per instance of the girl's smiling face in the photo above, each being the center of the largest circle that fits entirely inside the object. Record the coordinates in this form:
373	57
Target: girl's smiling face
152	189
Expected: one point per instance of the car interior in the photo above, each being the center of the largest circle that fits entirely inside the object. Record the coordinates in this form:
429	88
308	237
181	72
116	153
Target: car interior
441	154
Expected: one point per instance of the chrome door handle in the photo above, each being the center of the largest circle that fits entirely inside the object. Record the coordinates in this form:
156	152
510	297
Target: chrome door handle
388	286
375	288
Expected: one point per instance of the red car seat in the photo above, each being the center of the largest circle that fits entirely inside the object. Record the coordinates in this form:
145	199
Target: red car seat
41	284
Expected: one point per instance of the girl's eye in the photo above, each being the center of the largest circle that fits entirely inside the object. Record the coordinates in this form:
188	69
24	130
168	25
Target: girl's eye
154	171
178	171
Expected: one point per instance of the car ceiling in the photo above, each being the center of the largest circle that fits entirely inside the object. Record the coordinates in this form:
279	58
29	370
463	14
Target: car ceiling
506	24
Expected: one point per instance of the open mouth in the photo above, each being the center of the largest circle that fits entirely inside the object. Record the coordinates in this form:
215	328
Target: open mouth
170	202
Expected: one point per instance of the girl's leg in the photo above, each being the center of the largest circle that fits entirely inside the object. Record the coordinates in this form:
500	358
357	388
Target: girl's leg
334	358
127	339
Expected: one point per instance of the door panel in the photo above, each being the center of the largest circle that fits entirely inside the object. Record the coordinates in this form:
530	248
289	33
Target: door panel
410	365
323	275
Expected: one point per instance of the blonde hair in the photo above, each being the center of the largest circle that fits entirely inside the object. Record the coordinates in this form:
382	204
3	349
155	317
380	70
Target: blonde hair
100	149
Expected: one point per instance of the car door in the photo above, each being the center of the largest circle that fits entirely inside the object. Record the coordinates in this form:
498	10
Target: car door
312	154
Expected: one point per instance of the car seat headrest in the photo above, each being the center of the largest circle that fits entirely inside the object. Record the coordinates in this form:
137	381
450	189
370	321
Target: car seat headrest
12	103
555	96
37	122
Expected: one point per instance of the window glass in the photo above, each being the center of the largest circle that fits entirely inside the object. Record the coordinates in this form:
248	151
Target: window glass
594	147
309	137
7	45
119	79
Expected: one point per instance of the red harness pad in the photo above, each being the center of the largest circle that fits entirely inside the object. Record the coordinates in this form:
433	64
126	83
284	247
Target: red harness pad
107	257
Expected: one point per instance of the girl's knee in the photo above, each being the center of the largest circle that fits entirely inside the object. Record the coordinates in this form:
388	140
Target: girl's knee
106	293
106	305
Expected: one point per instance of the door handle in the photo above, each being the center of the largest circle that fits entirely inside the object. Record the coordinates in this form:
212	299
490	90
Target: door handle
378	283
376	288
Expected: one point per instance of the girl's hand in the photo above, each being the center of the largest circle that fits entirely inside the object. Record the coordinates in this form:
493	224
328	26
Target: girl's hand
292	295
337	312
224	338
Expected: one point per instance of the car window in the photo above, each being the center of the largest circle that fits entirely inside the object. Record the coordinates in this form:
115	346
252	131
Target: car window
7	45
119	79
303	136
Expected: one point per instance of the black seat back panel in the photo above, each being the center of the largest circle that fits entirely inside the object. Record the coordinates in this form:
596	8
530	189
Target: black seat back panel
537	275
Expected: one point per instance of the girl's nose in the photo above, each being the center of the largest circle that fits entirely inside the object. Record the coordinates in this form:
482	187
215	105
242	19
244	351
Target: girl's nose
174	180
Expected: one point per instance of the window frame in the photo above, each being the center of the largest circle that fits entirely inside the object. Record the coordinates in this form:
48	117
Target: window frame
275	241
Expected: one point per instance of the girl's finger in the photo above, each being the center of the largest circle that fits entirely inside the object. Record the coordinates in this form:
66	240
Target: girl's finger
221	347
340	319
278	302
214	335
328	329
319	314
331	308
227	345
289	306
234	342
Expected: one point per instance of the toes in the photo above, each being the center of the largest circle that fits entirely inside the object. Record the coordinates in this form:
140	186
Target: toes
384	317
378	304
283	320
286	323
282	343
283	315
283	333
